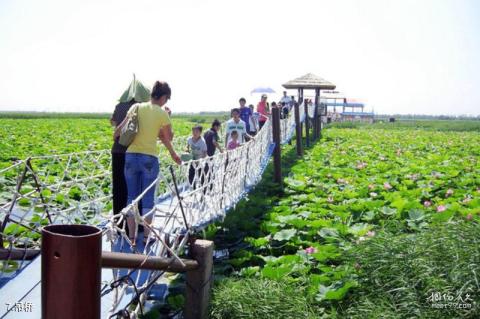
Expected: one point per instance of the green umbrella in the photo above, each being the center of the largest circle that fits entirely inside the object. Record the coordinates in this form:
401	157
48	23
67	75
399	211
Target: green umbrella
136	91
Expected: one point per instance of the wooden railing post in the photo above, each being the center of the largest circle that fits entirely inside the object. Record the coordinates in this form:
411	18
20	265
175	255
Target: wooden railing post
307	125
298	129
277	155
199	281
317	114
315	122
319	125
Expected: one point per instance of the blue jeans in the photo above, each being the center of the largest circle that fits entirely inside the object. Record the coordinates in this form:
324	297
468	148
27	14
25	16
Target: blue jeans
140	171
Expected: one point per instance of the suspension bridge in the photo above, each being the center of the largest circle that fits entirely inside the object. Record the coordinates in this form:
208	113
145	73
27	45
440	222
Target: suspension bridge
75	189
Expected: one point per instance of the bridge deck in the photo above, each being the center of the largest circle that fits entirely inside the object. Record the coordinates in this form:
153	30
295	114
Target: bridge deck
25	287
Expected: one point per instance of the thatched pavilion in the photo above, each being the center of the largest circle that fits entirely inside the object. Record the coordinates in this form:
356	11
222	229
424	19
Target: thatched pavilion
311	81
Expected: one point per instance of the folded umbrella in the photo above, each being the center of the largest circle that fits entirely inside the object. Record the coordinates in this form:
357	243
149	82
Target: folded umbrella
136	91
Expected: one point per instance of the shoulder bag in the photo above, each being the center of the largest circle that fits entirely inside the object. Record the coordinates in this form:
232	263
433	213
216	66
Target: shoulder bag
130	129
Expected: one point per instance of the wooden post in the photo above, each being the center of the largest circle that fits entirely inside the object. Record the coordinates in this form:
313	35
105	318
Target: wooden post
307	125
300	96
71	271
277	155
18	254
319	114
139	261
199	280
300	101
319	125
298	129
317	102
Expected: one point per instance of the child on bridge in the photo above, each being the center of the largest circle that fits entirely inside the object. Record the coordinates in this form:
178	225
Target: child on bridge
197	147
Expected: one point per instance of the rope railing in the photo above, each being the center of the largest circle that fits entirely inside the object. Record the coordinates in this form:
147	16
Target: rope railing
75	188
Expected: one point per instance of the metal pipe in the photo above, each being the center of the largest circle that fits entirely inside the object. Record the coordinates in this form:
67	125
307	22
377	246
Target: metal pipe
71	271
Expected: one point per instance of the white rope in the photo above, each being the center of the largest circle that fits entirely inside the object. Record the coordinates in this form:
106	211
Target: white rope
75	188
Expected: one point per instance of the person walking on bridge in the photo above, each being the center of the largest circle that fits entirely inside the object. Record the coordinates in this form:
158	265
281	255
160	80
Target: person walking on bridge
263	110
245	114
141	159
135	93
236	124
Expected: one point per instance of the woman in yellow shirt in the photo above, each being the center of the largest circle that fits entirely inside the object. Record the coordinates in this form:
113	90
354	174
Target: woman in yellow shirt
141	158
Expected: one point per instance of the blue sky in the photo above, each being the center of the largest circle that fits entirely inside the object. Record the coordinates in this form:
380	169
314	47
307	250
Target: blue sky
398	56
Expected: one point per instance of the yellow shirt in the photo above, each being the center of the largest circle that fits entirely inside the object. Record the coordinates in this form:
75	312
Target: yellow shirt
151	118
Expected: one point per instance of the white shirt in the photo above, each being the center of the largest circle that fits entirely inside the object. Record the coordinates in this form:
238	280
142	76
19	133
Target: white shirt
197	148
239	126
254	121
286	100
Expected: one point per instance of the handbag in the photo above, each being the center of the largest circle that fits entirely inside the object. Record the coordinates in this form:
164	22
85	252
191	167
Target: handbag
130	129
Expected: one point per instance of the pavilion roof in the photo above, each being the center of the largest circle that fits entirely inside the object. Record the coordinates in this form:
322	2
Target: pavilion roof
309	81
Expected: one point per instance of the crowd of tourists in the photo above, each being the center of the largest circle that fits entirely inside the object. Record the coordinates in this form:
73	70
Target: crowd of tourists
135	164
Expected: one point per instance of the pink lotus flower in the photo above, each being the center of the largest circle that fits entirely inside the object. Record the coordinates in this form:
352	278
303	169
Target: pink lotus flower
436	174
370	233
449	192
387	186
469	216
427	203
441	208
467	200
310	250
361	165
330	199
373	194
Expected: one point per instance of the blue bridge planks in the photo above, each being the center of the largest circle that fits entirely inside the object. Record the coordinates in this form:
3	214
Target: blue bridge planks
25	286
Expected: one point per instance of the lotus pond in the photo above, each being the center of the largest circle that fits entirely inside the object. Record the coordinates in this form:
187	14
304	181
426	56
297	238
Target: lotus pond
371	223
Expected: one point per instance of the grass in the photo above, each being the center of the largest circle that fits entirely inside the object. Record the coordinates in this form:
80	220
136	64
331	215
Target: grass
436	125
260	298
395	271
399	273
